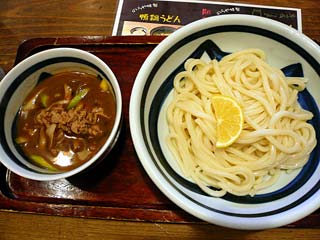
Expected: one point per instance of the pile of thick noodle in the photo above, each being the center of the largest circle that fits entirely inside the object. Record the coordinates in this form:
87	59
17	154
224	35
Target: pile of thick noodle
275	135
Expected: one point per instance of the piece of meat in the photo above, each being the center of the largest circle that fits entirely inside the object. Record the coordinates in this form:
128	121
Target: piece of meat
73	121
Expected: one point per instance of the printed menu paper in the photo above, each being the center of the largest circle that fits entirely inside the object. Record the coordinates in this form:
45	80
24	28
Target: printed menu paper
162	17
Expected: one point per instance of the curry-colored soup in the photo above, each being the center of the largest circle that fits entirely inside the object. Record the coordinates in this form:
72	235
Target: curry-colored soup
65	120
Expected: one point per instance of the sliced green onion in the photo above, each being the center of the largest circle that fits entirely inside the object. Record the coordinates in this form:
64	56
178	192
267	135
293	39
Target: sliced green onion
20	140
41	162
44	100
104	85
31	104
77	98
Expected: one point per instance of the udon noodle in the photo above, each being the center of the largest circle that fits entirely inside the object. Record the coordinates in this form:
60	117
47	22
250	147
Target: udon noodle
275	136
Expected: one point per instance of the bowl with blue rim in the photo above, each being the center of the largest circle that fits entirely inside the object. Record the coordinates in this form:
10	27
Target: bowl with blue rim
295	195
76	142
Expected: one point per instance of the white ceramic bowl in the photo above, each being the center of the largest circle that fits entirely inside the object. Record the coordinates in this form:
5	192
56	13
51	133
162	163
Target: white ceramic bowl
18	82
295	195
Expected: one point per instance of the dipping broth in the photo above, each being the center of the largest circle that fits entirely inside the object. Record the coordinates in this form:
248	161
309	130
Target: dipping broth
65	120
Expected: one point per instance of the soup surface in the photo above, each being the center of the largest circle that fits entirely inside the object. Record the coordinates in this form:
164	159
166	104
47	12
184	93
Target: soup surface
65	120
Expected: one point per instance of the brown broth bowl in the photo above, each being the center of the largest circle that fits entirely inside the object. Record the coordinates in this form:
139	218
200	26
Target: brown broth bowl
28	75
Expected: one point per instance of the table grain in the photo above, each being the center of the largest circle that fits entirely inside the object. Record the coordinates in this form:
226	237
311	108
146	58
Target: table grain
25	19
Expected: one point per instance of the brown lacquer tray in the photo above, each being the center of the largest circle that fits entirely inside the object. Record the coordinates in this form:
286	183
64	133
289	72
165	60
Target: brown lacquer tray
118	188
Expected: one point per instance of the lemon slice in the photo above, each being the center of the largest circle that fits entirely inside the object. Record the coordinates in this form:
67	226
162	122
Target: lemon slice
229	120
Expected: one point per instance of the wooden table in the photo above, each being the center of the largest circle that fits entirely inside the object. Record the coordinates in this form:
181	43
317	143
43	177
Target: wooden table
25	19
